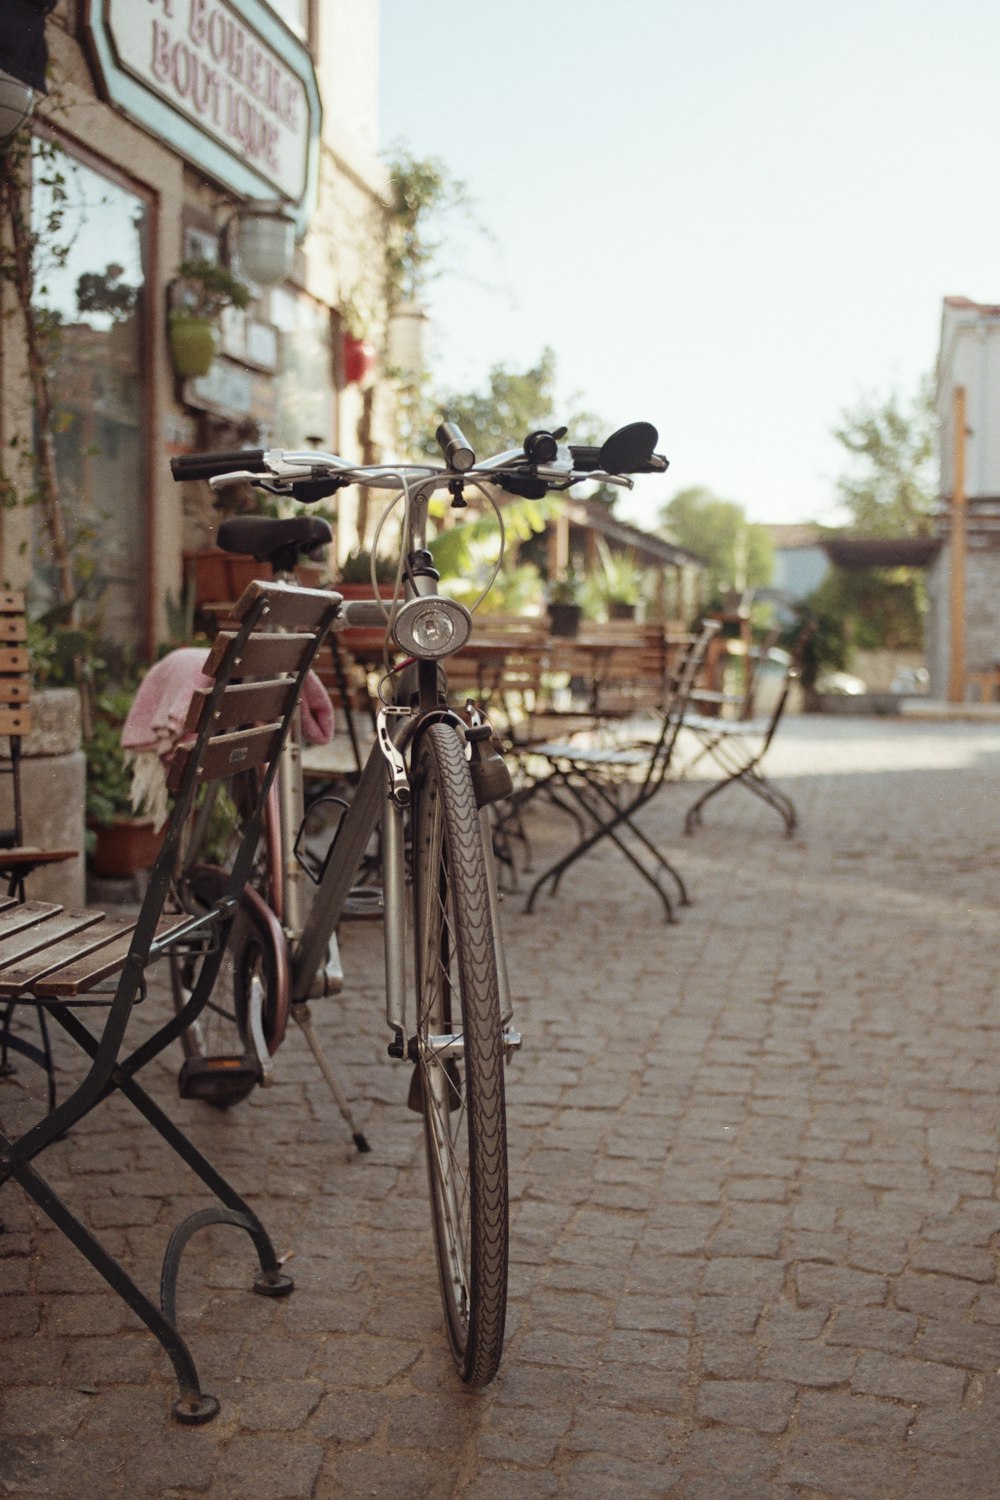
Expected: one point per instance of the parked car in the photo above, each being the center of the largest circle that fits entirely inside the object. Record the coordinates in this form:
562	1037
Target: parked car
840	683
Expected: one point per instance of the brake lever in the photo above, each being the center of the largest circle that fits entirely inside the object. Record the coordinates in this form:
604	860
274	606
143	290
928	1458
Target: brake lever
242	476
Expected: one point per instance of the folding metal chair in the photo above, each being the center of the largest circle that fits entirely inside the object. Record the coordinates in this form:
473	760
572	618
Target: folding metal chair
71	964
18	860
608	785
738	746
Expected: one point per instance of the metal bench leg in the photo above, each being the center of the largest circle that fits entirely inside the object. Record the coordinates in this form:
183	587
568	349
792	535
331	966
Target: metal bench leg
754	782
193	1406
273	1281
555	872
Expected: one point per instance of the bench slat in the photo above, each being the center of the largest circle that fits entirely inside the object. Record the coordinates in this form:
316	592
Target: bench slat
15	720
18	978
291	605
86	969
225	754
242	703
16	917
262	655
41	935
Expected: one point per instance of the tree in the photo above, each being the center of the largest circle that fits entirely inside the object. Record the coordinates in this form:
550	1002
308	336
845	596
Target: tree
26	251
891	489
512	404
739	552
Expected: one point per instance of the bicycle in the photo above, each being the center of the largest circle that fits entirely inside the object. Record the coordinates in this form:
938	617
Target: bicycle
426	787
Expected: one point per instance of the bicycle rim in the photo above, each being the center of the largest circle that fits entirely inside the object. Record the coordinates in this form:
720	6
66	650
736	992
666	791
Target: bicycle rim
459	1054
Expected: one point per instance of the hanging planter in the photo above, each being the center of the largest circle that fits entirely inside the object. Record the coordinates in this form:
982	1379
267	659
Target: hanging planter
201	290
192	344
359	359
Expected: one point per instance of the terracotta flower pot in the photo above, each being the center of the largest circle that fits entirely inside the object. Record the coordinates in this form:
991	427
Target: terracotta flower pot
125	846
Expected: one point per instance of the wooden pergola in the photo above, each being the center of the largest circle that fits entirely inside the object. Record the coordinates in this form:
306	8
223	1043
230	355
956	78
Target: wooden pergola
575	533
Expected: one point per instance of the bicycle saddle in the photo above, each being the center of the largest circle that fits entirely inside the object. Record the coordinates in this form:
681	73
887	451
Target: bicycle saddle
270	539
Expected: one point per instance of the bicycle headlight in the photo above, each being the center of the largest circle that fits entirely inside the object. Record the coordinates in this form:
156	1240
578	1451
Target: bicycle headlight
432	627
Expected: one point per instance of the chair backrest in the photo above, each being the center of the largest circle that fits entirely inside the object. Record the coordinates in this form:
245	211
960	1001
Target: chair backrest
258	664
792	672
15	706
501	665
687	660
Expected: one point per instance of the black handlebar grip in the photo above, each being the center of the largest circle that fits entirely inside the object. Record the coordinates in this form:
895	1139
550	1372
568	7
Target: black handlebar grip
619	459
207	465
585	459
455	446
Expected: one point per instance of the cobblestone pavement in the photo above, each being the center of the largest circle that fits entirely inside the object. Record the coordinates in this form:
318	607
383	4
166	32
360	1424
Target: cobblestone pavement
756	1212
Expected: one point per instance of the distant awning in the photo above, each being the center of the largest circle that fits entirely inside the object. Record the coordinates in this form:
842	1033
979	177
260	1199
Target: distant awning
23	52
852	553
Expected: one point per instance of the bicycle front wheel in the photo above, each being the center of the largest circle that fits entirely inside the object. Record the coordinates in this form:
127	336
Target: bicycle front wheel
459	1054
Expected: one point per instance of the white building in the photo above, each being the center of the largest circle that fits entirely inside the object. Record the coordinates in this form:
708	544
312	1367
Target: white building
969	359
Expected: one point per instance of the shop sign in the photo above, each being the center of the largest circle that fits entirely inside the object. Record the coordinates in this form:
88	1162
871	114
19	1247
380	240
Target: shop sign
231	89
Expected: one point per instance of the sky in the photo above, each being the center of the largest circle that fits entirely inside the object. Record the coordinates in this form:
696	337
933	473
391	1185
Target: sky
735	220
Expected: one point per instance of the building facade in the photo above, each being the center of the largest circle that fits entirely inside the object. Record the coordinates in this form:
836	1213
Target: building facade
968	361
206	130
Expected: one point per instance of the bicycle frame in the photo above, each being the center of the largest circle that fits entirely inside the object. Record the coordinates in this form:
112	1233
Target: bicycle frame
380	800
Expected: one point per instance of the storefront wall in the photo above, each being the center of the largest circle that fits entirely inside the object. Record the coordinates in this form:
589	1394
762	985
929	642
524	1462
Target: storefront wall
279	378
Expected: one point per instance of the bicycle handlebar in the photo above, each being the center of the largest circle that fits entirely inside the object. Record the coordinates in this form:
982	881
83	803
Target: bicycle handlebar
540	465
208	465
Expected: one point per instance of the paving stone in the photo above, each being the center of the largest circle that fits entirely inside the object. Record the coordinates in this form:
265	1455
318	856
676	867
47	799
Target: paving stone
907	1379
808	1364
856	1471
760	1405
874	1328
859	1419
959	1343
839	1285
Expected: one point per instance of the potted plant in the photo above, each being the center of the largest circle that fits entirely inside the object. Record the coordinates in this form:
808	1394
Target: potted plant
618	584
565	609
118	842
354	574
200	292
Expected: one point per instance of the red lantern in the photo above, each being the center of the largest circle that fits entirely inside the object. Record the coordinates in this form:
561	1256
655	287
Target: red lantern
359	359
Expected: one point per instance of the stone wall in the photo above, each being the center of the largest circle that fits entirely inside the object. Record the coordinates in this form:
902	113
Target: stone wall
53	790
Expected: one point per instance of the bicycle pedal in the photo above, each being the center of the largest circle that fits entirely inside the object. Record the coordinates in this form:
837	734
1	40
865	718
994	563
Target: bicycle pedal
220	1081
365	903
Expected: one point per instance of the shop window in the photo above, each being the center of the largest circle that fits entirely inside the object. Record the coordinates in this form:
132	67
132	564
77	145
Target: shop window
92	287
305	408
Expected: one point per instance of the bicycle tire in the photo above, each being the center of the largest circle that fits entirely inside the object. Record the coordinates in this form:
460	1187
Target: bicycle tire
460	1084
